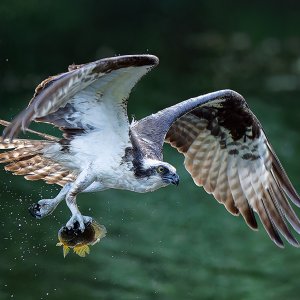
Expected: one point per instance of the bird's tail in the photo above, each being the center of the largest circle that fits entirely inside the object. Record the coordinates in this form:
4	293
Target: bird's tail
25	157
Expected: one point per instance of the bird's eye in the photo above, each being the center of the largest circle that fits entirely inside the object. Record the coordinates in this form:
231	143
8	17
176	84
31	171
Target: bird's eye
160	169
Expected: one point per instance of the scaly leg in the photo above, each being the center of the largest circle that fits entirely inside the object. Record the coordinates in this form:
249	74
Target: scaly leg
46	206
83	181
96	186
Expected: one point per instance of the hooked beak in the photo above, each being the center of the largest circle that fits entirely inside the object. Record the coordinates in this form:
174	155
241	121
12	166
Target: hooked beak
172	178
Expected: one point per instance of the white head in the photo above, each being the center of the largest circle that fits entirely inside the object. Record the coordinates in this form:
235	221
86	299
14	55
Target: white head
156	174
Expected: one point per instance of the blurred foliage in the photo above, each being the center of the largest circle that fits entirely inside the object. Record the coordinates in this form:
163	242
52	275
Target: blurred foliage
174	243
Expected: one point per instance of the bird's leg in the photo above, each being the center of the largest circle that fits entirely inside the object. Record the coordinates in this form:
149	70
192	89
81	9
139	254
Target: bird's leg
46	206
82	182
96	186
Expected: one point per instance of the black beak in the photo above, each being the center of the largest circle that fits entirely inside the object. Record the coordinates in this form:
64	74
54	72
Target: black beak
173	178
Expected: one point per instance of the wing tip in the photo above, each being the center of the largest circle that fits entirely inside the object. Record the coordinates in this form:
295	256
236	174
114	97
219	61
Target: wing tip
292	241
124	61
20	122
9	133
152	59
140	59
279	244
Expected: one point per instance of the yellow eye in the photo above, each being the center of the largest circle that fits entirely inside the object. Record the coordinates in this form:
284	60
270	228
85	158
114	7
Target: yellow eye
160	169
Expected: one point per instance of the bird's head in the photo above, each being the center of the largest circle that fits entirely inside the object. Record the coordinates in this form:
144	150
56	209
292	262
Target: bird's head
158	173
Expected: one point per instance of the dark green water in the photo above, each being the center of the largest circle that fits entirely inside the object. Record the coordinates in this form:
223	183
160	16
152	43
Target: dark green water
176	243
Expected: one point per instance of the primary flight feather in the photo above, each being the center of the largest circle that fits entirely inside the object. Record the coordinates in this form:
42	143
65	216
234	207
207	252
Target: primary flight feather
224	146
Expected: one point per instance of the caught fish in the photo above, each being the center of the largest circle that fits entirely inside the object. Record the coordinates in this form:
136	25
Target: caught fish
80	241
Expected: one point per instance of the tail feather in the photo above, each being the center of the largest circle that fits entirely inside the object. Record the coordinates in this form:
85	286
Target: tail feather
18	154
26	166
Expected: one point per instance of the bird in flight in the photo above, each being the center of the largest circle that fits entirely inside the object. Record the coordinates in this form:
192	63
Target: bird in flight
224	146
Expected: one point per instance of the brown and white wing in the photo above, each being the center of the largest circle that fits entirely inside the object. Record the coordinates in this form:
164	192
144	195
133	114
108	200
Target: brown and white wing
226	151
87	97
25	157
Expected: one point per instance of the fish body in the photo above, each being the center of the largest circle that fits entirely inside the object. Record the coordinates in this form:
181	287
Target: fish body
80	241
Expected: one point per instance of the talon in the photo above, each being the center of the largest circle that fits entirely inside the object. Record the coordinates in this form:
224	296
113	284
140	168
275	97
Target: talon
34	210
77	218
70	225
87	219
42	208
78	221
81	225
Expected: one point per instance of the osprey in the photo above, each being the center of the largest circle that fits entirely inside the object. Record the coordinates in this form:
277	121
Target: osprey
224	146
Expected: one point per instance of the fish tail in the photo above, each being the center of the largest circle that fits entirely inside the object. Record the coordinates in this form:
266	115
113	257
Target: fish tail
82	251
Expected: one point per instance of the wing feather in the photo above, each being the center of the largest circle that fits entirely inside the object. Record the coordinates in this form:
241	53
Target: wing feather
240	200
89	97
207	145
207	166
27	159
223	187
74	99
282	177
226	151
222	181
279	197
267	223
277	218
213	172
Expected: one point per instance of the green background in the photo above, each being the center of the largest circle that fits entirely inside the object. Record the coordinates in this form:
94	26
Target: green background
175	243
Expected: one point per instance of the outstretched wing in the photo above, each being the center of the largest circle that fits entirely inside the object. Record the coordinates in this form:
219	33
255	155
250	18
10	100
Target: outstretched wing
226	151
86	97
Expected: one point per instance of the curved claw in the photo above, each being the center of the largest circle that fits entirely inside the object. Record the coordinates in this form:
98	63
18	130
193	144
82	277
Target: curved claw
80	219
87	219
76	218
43	208
34	210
